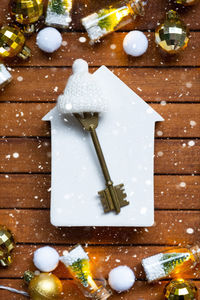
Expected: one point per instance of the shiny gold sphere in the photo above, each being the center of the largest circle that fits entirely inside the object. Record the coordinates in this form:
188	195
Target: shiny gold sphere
26	11
181	290
187	2
45	286
11	41
7	244
172	36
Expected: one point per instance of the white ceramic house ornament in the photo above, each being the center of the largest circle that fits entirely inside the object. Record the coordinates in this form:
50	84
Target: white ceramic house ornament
126	133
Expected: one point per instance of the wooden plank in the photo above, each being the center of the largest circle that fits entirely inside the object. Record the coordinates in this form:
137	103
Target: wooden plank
140	290
33	155
104	257
33	226
154	12
33	191
102	54
166	84
181	120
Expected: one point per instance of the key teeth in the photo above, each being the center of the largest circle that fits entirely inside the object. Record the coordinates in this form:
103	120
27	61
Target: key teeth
104	202
121	194
106	198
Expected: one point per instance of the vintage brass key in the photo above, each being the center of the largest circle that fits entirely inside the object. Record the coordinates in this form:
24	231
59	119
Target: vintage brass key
113	197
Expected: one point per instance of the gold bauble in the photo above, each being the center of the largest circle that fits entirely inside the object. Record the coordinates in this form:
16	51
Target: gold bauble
45	286
7	244
180	289
187	2
172	36
12	43
26	11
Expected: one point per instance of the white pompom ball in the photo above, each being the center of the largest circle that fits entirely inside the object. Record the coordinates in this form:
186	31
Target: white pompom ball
46	259
121	278
135	43
49	39
80	65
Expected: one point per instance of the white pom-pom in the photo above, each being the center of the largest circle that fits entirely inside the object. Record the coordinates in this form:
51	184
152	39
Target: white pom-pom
121	278
79	66
135	43
46	259
49	39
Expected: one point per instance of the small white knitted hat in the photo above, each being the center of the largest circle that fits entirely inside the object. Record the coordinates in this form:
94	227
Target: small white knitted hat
82	92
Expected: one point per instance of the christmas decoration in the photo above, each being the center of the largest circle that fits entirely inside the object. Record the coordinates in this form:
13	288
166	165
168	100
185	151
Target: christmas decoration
7	288
171	263
7	244
26	13
112	18
84	97
46	259
187	2
135	43
12	43
49	39
181	289
79	265
43	286
121	278
81	84
173	35
59	13
5	76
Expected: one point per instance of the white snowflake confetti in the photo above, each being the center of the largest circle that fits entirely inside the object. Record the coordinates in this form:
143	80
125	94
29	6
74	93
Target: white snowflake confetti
190	230
15	155
191	143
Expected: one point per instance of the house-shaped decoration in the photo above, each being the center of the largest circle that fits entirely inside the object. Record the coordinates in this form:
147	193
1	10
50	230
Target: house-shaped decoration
126	133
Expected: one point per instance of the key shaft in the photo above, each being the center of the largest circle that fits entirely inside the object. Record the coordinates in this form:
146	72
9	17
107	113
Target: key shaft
104	168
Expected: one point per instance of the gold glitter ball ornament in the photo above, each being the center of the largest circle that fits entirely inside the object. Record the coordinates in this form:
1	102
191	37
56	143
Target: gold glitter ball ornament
181	290
43	286
7	244
172	36
12	43
187	2
26	12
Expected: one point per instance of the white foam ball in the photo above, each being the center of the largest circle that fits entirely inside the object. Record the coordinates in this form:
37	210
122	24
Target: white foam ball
46	259
135	43
49	39
121	278
80	65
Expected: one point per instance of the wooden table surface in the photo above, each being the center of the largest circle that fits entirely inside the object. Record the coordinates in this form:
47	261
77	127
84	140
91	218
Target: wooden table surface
171	85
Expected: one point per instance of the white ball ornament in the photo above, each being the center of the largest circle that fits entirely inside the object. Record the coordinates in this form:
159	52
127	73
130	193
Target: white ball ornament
46	259
121	278
49	39
135	43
